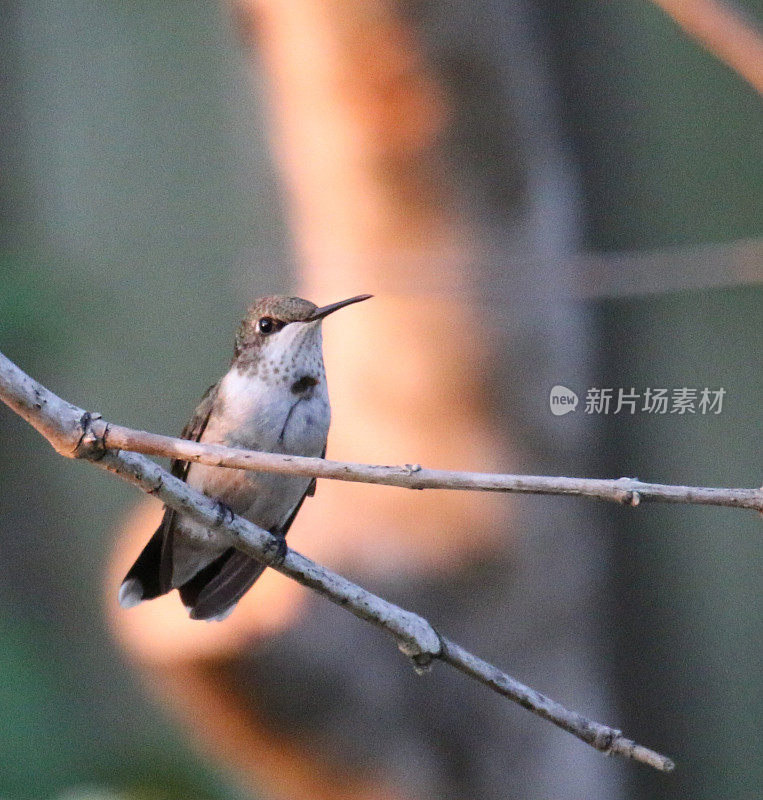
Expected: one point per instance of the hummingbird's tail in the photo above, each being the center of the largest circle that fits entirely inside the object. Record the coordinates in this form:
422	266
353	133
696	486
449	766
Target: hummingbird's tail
144	579
210	594
214	591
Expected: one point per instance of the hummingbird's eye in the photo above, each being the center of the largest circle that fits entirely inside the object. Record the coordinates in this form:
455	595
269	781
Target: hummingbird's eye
269	325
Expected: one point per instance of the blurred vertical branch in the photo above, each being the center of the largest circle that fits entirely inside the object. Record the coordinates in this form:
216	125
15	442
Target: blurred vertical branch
358	119
724	31
360	115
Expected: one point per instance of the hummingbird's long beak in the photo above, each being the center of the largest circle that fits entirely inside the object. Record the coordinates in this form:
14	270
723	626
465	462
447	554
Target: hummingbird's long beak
324	311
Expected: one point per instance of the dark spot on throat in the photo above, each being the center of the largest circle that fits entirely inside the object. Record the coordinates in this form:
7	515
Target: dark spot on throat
303	384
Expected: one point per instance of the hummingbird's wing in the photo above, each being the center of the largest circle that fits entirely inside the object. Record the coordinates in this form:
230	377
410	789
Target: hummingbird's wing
193	431
195	427
216	589
151	574
310	490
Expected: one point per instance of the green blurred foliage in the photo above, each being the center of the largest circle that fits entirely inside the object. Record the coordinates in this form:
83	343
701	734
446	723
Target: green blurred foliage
27	301
46	749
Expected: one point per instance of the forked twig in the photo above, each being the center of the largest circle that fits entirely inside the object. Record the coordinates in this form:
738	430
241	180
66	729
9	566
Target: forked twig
73	432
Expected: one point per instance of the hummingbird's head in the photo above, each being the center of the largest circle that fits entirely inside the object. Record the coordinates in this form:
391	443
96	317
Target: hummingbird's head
279	330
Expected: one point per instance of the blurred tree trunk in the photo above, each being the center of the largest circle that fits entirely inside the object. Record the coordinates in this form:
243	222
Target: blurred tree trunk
423	159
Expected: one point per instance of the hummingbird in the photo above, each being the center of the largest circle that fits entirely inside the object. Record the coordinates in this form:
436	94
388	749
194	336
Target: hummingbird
273	398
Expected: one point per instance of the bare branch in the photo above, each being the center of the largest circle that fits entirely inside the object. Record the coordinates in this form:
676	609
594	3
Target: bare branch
602	737
628	491
73	432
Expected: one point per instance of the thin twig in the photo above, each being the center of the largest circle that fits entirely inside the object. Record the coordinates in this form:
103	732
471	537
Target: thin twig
73	432
627	491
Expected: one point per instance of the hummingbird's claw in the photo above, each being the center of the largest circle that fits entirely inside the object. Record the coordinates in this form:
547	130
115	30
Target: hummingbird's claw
278	549
224	513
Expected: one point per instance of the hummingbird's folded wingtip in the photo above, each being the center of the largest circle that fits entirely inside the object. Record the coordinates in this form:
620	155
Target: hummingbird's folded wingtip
130	593
223	615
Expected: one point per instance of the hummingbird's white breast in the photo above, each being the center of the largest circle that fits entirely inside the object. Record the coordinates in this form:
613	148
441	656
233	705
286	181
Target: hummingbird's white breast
278	404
